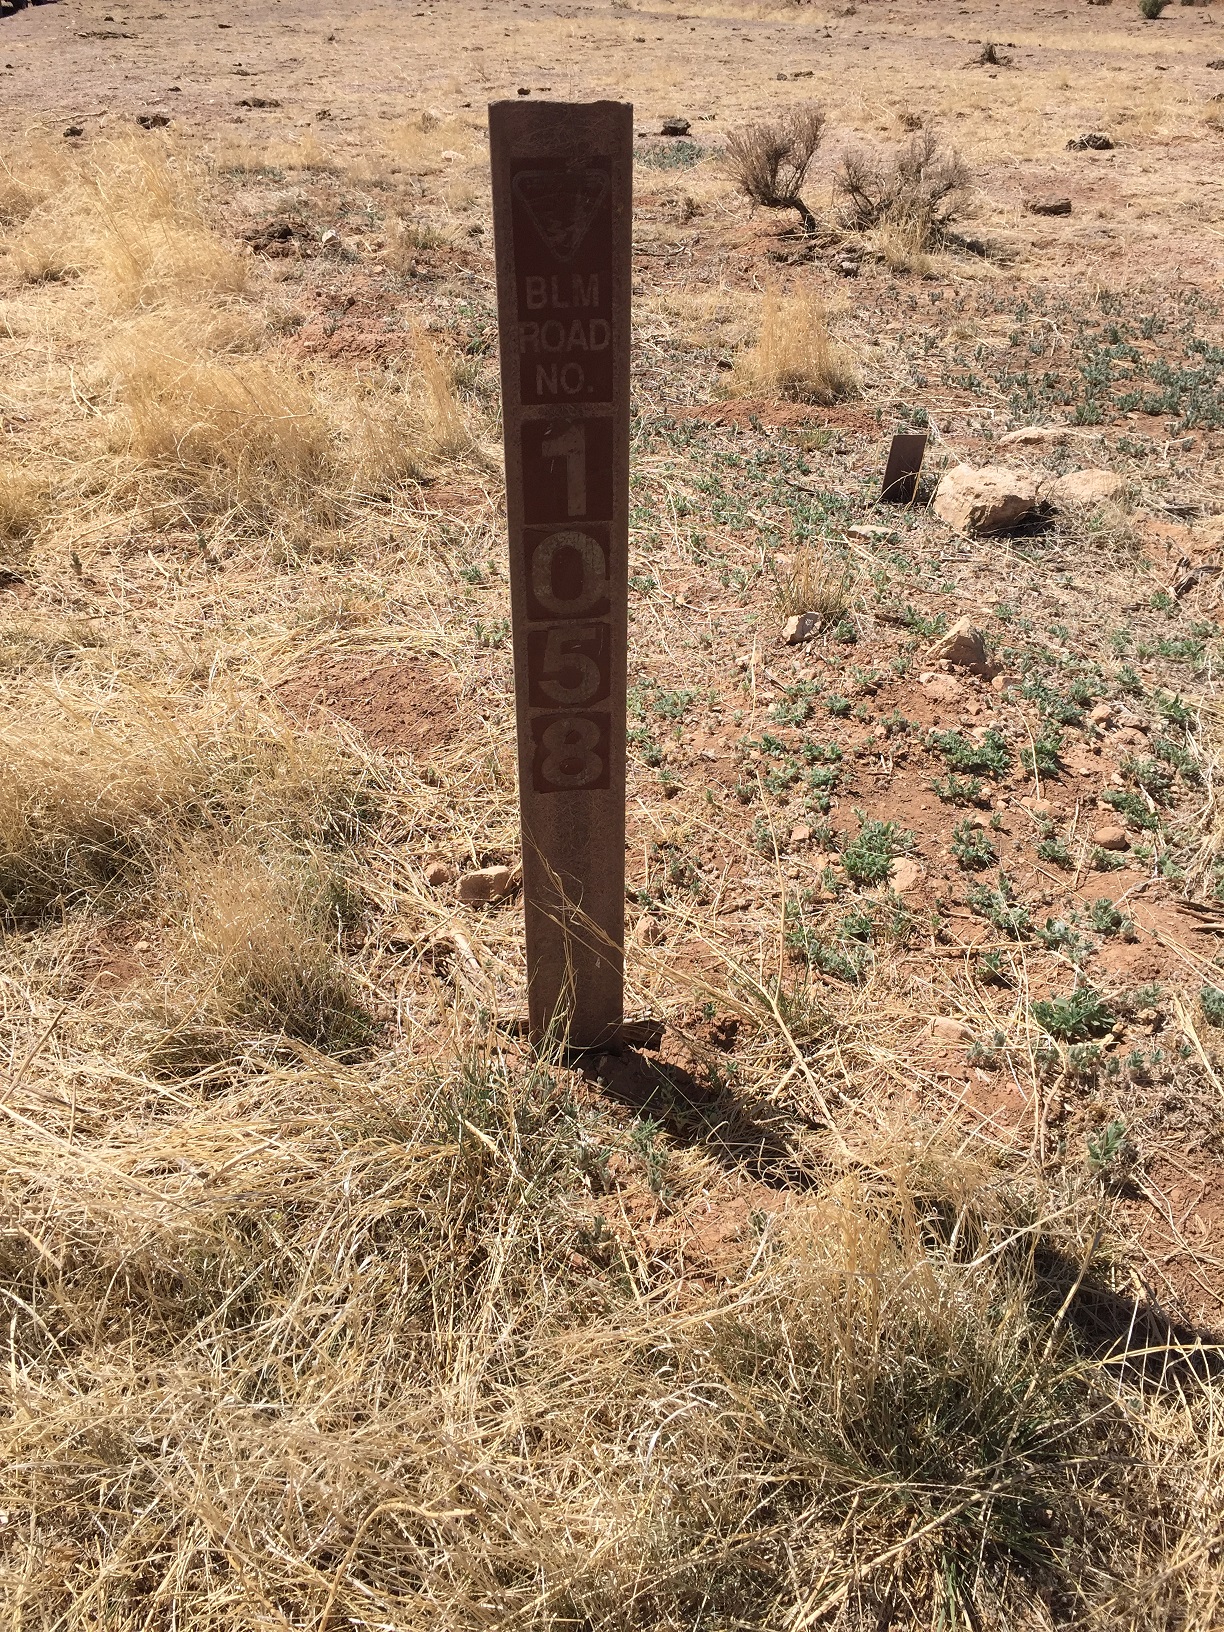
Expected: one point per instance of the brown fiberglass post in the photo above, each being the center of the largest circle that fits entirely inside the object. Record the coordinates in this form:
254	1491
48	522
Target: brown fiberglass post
562	213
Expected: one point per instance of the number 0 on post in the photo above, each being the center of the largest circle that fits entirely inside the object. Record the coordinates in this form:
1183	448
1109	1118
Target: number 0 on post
562	212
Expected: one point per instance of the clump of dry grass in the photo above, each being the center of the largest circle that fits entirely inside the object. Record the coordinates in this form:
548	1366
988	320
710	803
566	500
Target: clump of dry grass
769	162
127	213
95	796
21	509
236	431
917	192
817	581
259	962
795	355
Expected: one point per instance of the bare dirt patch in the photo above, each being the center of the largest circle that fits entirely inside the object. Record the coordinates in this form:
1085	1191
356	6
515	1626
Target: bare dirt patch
399	705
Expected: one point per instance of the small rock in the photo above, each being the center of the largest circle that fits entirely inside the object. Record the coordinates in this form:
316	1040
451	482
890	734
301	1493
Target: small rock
488	884
142	946
74	130
649	930
1100	714
1048	206
943	688
905	874
152	121
674	125
1128	720
1041	808
258	102
800	628
1088	487
1035	436
989	500
963	646
1111	838
800	835
1216	62
1091	140
946	1030
849	268
439	873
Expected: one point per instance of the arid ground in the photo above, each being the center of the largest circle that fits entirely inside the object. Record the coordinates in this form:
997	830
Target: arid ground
877	1280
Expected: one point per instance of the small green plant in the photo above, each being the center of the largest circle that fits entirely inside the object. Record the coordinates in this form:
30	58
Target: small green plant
1082	1015
869	856
1107	1146
1000	906
1054	850
953	791
1211	1001
972	847
1106	919
839	707
961	753
1058	936
1043	757
1133	807
1106	861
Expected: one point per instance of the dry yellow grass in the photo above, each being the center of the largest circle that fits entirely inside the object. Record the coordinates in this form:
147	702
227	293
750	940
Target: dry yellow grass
795	355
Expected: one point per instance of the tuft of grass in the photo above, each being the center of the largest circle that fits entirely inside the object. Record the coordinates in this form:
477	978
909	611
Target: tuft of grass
795	355
817	581
94	800
258	964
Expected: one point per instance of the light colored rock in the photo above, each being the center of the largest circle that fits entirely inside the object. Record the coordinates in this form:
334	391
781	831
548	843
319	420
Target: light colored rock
1088	487
963	645
906	875
1110	838
438	873
1035	436
800	628
946	1030
649	930
801	834
1041	808
941	688
1101	714
989	500
487	884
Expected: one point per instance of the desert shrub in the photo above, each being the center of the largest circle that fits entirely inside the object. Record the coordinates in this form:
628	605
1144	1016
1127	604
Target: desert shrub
918	191
769	161
1151	9
795	355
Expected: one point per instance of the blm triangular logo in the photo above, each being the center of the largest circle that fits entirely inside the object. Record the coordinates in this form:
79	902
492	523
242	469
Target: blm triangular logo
562	204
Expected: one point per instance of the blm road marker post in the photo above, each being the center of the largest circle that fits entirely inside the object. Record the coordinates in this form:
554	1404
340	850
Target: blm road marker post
562	216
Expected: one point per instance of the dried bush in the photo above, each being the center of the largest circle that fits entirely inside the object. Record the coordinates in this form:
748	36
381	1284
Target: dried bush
769	162
923	187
